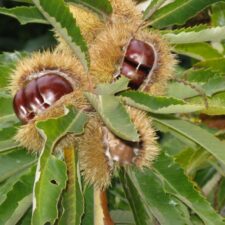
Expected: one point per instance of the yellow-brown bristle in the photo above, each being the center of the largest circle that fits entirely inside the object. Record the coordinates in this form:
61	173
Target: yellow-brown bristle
149	150
41	61
89	23
141	153
29	137
107	51
109	48
125	10
93	161
100	151
165	62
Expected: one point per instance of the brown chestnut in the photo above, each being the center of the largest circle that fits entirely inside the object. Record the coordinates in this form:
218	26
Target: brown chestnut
39	94
138	61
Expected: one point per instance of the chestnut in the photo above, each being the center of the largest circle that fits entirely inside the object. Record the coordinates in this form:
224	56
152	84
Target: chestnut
39	94
138	61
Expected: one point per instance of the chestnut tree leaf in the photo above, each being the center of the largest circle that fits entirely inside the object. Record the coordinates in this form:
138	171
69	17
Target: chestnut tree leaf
100	6
18	199
14	162
72	199
215	34
59	16
196	134
177	184
199	51
216	104
147	198
51	173
24	14
178	12
110	89
159	104
154	5
114	115
217	64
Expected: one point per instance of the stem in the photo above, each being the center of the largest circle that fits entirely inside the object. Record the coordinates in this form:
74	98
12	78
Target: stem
101	210
69	157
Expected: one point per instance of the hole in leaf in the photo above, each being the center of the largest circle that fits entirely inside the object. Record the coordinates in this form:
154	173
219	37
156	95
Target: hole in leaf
54	182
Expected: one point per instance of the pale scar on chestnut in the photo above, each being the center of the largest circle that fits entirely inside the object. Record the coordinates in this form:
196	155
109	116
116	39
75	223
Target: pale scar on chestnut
39	94
138	61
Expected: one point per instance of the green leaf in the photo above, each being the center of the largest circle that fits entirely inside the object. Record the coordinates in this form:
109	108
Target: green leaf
200	51
18	199
214	86
59	16
216	104
24	14
158	104
178	184
201	75
178	12
218	14
146	196
215	34
192	160
73	201
99	6
114	88
15	162
152	8
196	134
114	116
6	106
4	75
217	64
88	217
51	174
7	145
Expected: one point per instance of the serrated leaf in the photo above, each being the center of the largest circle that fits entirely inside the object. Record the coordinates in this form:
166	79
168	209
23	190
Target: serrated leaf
215	34
178	184
114	88
24	14
72	200
148	199
201	75
192	159
197	134
200	51
216	104
217	64
14	162
152	8
99	6
51	174
114	115
18	199
214	85
59	16
158	104
178	12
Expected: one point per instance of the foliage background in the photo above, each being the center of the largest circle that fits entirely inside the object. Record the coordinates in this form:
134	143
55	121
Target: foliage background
192	161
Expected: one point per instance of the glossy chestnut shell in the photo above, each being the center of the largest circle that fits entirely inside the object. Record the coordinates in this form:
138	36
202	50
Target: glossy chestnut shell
138	61
39	94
